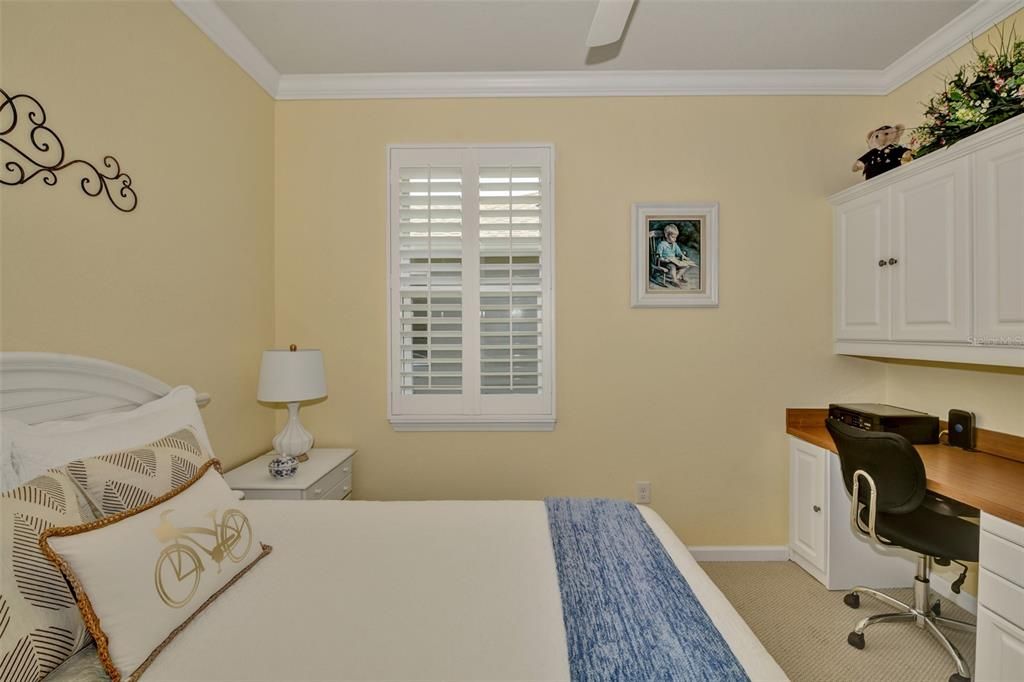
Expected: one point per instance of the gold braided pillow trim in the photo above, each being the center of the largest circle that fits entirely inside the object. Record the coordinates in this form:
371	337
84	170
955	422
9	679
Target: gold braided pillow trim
92	621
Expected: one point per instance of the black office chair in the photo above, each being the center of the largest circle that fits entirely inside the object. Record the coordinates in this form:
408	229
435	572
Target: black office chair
890	503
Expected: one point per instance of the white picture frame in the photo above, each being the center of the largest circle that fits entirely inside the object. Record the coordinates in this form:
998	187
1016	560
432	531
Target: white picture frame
687	276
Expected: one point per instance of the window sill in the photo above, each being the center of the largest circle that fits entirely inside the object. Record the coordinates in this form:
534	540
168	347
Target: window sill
462	424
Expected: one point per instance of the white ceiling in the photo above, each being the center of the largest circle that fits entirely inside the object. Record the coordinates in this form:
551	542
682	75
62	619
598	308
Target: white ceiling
415	36
370	49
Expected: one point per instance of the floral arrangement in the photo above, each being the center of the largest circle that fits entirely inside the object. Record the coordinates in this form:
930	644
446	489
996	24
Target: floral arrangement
979	95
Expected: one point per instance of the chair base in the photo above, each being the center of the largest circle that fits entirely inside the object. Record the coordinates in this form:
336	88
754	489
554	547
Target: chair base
923	612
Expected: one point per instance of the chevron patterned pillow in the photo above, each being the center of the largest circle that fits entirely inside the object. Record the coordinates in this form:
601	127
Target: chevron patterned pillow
120	481
40	625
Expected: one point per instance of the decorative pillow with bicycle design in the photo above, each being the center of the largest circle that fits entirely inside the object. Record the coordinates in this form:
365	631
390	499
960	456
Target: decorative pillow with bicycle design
141	575
118	481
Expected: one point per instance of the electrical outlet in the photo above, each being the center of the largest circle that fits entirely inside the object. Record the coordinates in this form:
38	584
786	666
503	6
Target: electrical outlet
643	492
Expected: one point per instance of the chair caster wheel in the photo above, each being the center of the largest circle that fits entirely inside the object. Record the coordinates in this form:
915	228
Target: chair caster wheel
937	609
856	640
957	677
852	600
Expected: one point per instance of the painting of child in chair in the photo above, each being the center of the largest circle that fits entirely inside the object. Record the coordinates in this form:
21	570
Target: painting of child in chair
675	255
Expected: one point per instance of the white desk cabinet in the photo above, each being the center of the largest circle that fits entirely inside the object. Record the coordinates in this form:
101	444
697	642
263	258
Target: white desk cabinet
327	475
926	257
821	538
1000	644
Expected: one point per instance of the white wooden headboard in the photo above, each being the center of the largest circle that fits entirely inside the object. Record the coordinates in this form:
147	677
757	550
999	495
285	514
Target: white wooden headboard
39	387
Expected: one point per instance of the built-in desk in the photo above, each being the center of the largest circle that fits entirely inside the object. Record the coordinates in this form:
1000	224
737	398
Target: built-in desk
991	479
991	483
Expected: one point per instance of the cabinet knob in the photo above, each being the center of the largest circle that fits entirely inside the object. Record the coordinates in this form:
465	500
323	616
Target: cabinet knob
893	261
816	508
881	263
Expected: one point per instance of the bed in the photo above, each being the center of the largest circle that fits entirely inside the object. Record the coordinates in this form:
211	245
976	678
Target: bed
443	590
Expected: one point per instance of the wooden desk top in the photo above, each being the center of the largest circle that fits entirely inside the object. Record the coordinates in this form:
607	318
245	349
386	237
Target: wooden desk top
991	483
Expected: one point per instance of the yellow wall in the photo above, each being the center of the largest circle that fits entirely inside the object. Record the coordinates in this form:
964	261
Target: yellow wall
263	222
711	440
692	400
995	394
183	287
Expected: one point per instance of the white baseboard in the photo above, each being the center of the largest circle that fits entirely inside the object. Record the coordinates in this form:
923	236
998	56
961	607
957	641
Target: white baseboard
968	602
740	553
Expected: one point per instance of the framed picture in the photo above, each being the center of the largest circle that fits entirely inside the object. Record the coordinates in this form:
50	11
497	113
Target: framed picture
675	255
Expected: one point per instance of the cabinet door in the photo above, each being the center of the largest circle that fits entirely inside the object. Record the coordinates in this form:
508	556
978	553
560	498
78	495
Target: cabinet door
861	284
999	651
807	478
999	243
931	247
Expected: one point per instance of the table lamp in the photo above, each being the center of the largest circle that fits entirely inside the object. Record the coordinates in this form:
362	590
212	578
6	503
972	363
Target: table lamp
291	376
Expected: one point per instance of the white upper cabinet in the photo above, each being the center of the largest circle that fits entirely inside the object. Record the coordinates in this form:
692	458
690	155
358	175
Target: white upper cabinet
999	242
862	284
929	258
930	255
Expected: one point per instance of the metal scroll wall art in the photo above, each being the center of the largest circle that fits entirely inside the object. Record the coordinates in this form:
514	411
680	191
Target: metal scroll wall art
38	151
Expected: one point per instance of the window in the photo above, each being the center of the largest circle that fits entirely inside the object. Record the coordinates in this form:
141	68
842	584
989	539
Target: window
471	282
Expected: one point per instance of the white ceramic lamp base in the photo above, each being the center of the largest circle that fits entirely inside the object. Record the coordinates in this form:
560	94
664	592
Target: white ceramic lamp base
294	440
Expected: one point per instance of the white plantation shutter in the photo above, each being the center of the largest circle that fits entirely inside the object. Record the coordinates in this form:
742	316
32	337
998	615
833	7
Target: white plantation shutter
471	287
430	280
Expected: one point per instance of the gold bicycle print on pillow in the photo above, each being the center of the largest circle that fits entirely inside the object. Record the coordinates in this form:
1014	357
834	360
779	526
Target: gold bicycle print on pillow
179	567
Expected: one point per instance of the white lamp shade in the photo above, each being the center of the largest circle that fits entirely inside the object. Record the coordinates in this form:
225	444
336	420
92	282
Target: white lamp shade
288	376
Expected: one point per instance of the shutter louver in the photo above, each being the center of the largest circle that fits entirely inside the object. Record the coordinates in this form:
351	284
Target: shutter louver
511	294
430	280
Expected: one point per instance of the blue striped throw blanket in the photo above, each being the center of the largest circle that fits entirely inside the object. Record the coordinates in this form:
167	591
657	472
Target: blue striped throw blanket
629	614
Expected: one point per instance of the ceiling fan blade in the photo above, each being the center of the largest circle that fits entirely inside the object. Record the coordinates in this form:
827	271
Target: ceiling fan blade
609	22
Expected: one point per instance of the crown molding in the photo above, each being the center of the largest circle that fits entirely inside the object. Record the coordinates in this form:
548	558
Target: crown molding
212	21
223	32
577	84
973	21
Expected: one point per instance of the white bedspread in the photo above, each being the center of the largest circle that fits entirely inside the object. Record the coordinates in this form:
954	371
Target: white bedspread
407	591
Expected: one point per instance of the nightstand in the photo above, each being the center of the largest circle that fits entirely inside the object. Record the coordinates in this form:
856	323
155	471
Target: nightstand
326	475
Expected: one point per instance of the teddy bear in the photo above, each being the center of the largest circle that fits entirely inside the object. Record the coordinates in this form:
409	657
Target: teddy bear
885	154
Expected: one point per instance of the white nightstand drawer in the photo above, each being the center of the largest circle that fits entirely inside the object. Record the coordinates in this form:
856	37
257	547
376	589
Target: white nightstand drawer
340	491
327	487
328	481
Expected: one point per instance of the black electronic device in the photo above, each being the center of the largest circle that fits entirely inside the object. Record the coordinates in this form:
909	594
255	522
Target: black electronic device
961	429
917	427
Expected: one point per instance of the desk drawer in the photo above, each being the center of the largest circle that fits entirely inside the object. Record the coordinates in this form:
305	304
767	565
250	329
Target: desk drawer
1002	557
1001	596
1002	528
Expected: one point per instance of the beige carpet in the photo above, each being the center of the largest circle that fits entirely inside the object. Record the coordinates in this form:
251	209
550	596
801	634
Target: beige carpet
804	626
